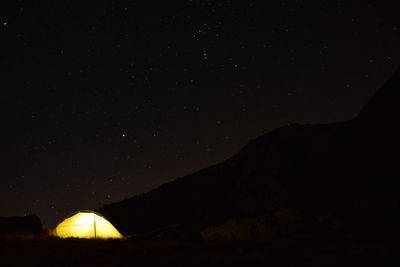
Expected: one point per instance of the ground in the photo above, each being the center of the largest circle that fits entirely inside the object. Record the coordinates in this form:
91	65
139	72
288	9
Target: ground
293	251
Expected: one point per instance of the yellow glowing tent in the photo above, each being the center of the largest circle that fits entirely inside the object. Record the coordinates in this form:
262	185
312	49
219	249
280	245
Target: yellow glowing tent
86	224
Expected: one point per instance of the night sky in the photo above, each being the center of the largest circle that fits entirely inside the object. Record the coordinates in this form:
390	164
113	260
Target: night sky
102	100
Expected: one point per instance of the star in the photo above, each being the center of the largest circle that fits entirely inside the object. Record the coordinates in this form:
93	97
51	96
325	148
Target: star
205	54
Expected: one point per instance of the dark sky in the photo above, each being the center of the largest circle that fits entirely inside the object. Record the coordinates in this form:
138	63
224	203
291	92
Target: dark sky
101	100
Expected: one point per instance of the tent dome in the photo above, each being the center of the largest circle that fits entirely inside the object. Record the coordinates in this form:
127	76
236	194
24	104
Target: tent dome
86	224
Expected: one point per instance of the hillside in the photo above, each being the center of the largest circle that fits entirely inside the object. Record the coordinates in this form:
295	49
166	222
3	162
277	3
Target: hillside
343	169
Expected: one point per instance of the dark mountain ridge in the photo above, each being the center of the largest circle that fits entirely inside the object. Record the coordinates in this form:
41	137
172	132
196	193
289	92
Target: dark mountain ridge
346	169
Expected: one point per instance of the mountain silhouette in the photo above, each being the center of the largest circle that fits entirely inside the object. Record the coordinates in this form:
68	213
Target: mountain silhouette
347	169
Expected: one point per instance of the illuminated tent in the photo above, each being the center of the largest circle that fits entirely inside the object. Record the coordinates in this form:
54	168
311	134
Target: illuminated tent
86	224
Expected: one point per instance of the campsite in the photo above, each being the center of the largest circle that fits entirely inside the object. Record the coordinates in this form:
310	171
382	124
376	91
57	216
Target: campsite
199	133
215	231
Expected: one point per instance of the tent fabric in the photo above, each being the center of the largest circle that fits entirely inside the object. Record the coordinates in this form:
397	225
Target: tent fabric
86	224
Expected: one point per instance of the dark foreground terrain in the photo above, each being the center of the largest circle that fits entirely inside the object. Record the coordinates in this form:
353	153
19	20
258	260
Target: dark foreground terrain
294	251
